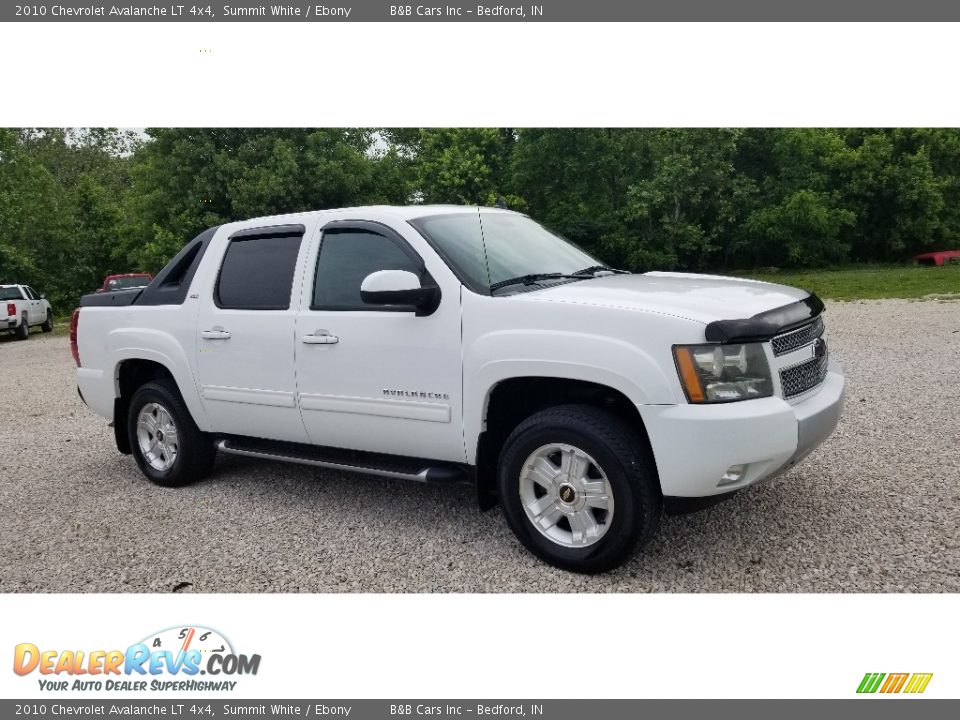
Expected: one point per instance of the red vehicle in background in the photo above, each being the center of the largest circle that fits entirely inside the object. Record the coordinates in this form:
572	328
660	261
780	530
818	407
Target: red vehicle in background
130	281
939	258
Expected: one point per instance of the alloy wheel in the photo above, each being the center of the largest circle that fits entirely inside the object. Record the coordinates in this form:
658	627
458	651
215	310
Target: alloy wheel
566	495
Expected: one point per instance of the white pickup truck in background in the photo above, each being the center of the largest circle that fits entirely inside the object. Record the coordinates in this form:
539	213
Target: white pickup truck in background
448	344
22	307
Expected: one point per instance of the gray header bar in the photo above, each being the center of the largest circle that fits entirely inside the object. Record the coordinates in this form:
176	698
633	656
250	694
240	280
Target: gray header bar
508	11
219	707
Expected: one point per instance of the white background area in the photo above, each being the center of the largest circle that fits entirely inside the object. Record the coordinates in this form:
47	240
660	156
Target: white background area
475	74
483	74
514	646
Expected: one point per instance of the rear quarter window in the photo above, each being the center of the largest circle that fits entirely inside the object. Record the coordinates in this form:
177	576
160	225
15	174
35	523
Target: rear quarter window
257	273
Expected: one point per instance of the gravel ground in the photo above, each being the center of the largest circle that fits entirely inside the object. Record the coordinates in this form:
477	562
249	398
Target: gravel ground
873	510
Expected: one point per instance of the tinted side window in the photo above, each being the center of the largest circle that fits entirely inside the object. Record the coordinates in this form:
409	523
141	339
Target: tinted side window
257	273
29	292
346	258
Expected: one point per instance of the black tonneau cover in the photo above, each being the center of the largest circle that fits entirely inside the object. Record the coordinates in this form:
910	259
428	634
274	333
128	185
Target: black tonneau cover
117	298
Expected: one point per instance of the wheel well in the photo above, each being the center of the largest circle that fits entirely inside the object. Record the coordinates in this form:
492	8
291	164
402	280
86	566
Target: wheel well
132	374
512	401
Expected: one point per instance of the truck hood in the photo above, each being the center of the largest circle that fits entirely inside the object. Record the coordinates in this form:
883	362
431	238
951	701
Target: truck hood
701	298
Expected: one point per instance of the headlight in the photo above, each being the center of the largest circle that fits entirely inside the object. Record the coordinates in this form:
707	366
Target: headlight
723	373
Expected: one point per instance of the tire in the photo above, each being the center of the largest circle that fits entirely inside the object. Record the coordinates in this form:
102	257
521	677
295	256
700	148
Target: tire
23	329
618	490
48	323
168	463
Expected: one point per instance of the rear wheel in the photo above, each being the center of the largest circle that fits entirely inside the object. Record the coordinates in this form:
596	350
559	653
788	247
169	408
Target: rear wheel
48	323
23	329
578	488
166	443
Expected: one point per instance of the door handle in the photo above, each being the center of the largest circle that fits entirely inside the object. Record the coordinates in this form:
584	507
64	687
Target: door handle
320	337
218	333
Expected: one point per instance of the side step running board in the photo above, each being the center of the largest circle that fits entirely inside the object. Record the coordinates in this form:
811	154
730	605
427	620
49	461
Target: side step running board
347	461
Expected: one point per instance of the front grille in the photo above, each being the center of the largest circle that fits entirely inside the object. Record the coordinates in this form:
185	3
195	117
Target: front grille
795	339
798	379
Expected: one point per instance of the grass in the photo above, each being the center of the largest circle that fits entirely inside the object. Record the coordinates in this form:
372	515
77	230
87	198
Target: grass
866	282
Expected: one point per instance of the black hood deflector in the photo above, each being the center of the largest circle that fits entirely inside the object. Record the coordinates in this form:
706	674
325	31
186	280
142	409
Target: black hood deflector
765	325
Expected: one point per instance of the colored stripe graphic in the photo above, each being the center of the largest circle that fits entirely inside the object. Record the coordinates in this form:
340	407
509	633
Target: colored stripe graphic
894	683
918	683
870	682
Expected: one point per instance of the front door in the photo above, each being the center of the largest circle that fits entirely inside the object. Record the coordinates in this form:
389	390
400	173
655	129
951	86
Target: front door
35	313
380	379
245	337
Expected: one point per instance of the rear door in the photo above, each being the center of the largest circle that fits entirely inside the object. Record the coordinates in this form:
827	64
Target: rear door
246	336
384	379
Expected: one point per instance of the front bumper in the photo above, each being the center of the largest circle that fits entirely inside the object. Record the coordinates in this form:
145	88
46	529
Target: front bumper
694	445
818	416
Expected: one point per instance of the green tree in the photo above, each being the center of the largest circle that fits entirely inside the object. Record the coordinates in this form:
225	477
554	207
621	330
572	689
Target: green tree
462	166
77	204
31	214
803	228
576	180
66	206
685	211
896	193
797	216
186	180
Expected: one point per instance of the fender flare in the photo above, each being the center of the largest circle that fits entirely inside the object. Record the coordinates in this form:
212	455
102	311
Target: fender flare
162	348
646	385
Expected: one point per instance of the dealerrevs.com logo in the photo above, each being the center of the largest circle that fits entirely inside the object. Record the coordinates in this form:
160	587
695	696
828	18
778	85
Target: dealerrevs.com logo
177	659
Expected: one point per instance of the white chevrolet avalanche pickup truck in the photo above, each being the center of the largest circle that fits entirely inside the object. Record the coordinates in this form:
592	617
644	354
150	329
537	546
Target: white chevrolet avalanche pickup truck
446	344
20	307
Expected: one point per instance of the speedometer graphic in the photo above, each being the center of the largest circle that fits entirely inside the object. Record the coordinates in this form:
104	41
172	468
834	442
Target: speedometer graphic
183	639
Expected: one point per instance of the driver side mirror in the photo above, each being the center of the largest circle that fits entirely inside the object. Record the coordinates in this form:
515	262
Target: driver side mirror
399	287
43	296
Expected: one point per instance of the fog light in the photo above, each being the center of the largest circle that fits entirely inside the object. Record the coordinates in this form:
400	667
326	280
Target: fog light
733	475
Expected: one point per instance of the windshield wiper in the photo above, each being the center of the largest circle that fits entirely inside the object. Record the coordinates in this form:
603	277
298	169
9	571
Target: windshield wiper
594	269
531	279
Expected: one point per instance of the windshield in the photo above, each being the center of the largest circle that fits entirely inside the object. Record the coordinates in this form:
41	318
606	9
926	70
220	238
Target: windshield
515	246
10	293
128	282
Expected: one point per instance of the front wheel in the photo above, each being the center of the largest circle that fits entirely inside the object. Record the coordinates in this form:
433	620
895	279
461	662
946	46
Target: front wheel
578	488
166	443
47	325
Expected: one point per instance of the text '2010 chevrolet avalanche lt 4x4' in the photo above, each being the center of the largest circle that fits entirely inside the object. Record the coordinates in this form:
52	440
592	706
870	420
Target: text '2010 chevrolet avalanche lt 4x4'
446	344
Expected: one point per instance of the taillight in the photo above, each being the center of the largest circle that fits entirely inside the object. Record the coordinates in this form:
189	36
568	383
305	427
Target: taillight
11	309
74	323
